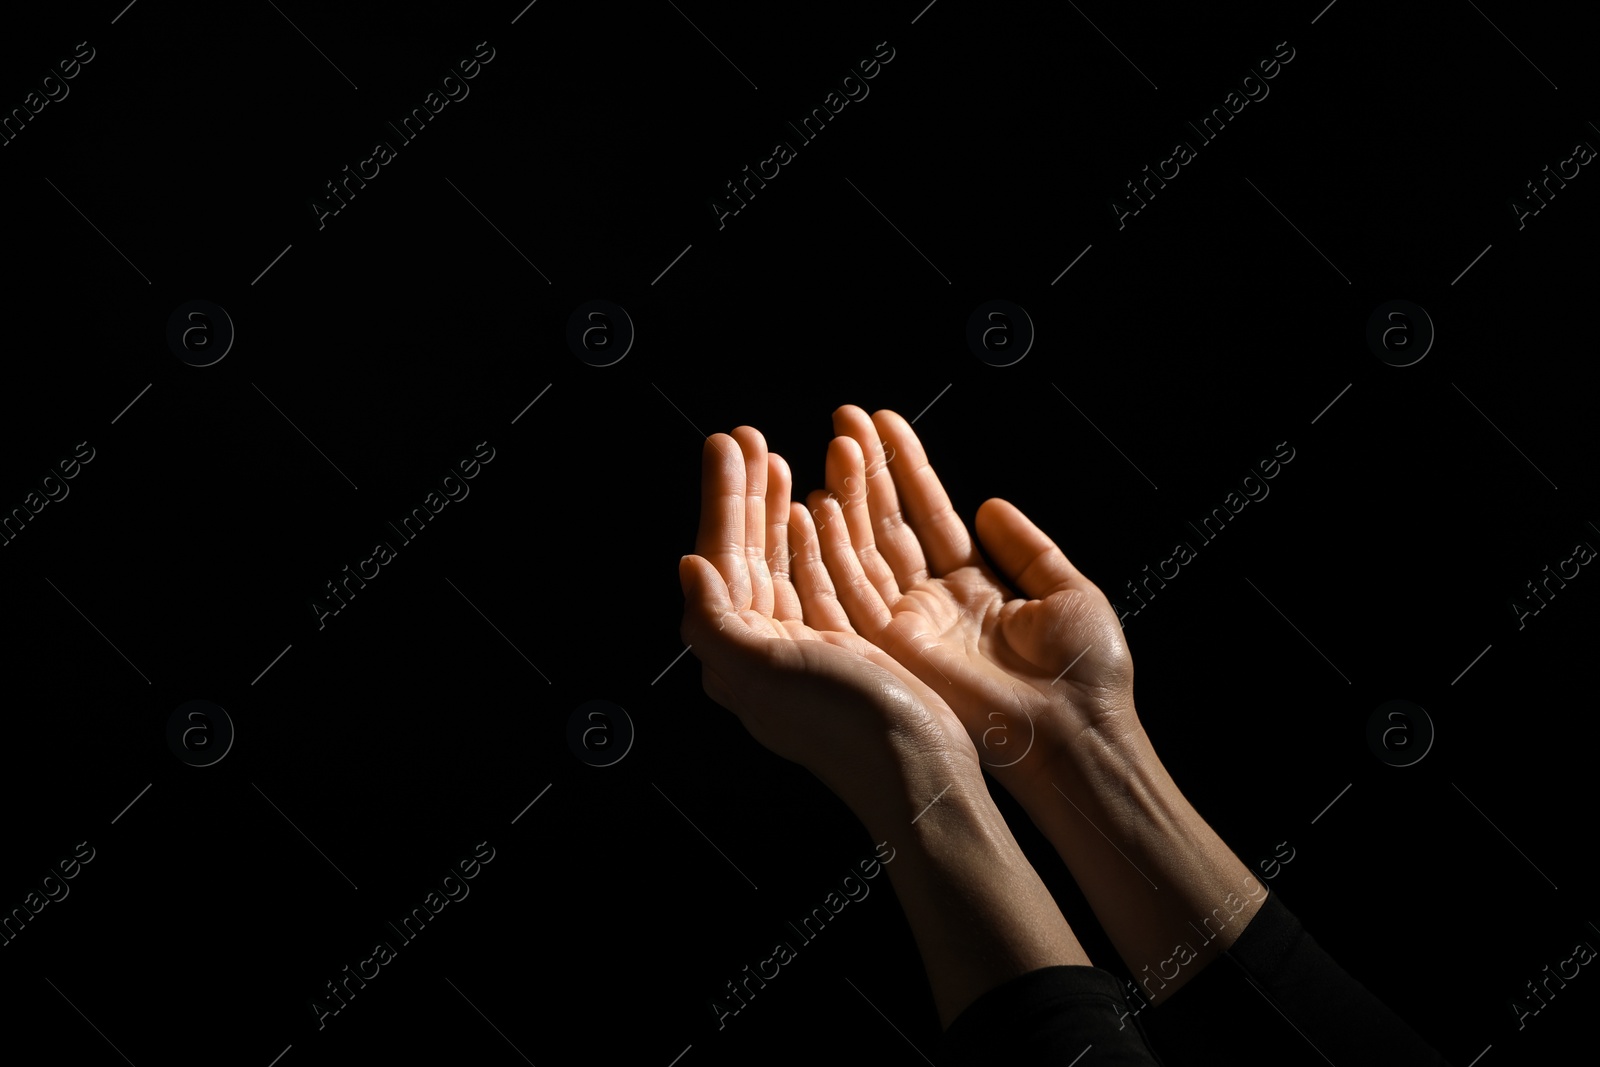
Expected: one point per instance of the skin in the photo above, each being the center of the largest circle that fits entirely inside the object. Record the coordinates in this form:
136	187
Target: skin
1049	664
778	649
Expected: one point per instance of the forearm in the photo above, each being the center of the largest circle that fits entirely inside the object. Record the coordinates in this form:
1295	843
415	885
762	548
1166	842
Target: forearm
1168	891
977	908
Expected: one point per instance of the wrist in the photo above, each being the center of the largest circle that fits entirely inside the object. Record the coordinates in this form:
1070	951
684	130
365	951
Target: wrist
1107	782
1111	765
914	779
979	912
1168	891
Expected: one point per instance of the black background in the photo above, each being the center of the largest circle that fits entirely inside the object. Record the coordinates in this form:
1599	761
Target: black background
423	718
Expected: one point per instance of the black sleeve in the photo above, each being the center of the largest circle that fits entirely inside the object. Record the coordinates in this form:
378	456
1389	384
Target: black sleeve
1051	1016
1278	982
1276	996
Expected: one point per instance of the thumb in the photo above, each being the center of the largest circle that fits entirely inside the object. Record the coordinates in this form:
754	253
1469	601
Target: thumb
1025	554
699	592
705	593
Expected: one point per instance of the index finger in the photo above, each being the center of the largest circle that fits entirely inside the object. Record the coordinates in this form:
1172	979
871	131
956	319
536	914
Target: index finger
928	510
892	536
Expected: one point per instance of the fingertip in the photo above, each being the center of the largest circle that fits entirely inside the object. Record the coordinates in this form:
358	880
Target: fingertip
703	578
894	432
721	452
885	419
847	448
847	413
998	515
995	502
688	573
751	440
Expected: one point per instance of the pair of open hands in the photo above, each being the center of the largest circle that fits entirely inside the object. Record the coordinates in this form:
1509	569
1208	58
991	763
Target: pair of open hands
875	633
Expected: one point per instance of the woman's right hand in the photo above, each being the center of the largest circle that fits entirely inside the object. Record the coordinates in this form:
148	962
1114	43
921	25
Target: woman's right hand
1030	675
